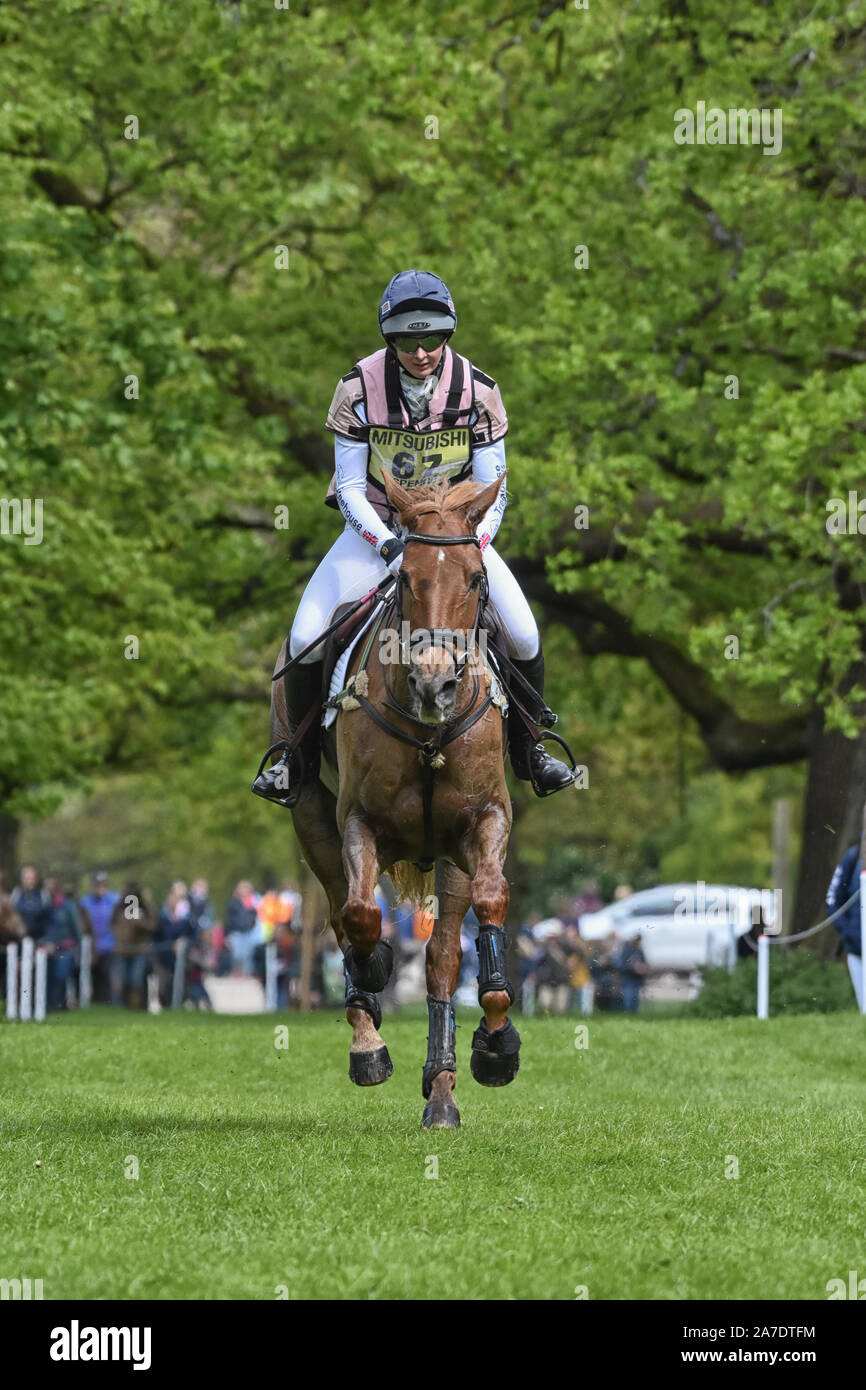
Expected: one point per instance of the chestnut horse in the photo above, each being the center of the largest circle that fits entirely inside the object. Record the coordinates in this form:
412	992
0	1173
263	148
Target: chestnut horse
415	762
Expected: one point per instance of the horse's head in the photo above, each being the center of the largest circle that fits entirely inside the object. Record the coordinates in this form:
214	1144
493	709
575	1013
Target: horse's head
440	586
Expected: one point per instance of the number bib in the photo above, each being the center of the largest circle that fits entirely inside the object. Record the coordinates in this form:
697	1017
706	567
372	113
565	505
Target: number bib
418	457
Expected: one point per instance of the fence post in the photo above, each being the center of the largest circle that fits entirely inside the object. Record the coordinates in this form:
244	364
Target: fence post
179	978
271	977
85	973
25	998
763	976
41	986
12	981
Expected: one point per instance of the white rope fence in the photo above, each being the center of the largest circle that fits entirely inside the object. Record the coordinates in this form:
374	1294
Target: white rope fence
764	943
27	975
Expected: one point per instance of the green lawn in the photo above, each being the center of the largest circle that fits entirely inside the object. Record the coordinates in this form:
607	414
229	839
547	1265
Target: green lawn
602	1167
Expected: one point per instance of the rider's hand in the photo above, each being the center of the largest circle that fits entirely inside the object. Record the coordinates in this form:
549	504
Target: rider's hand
392	553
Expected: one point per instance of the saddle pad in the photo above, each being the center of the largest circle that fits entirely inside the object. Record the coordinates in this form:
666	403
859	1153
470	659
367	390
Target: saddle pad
338	679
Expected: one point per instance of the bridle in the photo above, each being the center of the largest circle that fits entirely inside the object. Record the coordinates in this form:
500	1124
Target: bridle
441	636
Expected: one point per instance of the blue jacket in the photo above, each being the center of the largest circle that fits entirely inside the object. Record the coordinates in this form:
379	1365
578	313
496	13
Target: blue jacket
845	881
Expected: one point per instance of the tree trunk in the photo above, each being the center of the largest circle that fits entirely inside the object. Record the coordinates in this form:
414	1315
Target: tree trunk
831	824
517	880
9	831
312	899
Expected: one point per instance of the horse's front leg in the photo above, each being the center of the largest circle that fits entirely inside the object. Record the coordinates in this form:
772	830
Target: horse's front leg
368	960
496	1042
444	954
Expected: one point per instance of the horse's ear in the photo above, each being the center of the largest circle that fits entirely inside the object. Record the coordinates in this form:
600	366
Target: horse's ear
400	497
480	503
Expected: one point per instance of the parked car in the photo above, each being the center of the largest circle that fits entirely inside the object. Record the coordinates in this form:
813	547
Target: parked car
685	925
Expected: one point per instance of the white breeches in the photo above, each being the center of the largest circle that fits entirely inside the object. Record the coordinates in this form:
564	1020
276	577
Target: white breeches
352	567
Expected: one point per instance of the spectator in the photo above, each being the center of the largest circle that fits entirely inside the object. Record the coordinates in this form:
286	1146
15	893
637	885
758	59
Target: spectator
62	940
134	926
607	982
99	905
331	980
11	926
843	885
277	908
200	910
553	969
198	961
588	900
174	922
11	929
630	963
32	902
240	923
580	980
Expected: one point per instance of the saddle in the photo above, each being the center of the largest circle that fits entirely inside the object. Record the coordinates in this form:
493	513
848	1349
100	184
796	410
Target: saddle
342	635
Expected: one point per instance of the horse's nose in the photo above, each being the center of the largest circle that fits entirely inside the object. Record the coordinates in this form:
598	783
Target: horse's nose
433	693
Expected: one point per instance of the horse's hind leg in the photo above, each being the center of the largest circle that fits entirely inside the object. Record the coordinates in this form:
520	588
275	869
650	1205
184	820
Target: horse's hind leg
316	829
444	954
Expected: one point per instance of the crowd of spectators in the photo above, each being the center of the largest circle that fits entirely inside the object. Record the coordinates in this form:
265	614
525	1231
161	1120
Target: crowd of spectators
563	973
135	946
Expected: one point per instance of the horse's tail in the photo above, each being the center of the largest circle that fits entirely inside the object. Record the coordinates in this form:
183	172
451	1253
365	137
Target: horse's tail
412	884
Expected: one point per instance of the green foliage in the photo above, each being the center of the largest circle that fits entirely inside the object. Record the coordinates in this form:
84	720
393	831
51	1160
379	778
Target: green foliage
799	984
307	128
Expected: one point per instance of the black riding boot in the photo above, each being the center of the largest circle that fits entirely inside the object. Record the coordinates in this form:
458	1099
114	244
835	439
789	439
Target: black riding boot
531	761
282	783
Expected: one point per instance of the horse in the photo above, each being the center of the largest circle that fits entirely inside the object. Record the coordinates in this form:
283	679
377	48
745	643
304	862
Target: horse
412	783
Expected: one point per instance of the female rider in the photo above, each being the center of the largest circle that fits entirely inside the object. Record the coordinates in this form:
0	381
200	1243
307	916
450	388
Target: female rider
421	411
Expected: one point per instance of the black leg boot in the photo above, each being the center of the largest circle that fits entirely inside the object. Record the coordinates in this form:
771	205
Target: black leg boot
282	783
530	760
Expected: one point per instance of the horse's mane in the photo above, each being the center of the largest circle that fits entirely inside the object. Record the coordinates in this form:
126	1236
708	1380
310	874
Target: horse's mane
443	498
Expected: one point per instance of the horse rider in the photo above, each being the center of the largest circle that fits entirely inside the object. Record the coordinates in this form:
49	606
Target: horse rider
419	410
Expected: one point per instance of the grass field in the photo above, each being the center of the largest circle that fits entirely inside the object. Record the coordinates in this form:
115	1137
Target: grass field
602	1167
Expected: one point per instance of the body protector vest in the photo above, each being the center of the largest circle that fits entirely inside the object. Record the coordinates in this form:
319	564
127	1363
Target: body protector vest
437	447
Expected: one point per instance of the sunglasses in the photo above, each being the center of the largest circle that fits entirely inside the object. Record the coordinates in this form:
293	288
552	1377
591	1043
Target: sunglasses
429	344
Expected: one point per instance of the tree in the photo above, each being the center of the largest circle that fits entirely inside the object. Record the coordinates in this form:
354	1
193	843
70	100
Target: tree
677	330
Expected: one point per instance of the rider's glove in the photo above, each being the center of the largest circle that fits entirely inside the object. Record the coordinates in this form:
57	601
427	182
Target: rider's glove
392	552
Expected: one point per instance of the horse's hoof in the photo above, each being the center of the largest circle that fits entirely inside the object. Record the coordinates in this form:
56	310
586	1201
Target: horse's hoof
495	1058
371	973
441	1114
370	1068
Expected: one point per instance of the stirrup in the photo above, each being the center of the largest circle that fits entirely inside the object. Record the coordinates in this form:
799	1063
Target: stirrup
536	787
263	782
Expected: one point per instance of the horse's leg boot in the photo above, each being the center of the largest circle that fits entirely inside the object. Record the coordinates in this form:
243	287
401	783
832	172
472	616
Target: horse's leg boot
367	1068
370	973
495	1055
440	1112
495	1059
